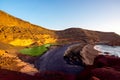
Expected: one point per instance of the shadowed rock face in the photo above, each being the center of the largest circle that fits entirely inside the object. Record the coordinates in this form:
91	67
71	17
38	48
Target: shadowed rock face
54	61
80	54
12	75
72	54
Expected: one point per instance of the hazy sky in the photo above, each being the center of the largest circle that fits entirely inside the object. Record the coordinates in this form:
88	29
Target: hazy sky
102	15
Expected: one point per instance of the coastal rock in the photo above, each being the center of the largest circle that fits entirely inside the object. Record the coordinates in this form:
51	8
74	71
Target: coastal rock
104	68
72	54
88	54
13	63
107	67
114	43
54	61
80	53
13	75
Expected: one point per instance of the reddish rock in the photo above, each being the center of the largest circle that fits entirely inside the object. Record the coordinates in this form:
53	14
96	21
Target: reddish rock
106	73
12	75
104	68
114	43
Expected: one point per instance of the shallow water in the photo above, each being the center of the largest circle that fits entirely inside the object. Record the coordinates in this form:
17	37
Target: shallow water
112	50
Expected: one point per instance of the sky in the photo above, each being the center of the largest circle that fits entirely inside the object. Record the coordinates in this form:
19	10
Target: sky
101	15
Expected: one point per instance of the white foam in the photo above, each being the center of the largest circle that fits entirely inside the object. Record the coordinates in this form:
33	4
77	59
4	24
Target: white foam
112	50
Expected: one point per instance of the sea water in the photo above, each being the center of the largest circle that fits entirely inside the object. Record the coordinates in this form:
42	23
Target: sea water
112	50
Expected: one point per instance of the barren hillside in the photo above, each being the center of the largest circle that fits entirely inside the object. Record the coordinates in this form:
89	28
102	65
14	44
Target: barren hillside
22	33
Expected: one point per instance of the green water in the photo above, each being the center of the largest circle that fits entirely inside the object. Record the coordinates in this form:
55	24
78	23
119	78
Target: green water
35	51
